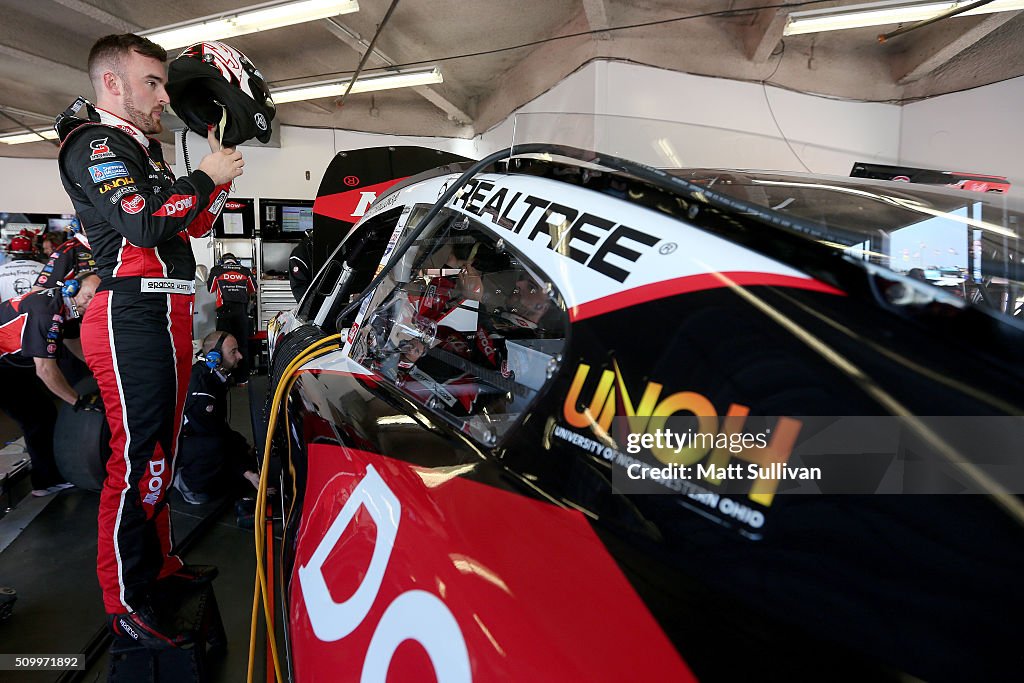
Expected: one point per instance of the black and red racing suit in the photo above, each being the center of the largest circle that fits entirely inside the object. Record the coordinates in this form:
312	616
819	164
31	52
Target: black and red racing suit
72	257
137	333
233	285
31	326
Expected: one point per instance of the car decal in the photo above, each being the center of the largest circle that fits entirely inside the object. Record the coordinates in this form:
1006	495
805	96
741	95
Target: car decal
594	247
693	283
390	552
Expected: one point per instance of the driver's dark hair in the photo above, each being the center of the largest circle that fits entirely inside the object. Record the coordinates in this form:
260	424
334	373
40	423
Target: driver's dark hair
111	50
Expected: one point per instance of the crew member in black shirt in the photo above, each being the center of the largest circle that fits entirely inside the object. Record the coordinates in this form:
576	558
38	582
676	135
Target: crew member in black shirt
233	284
31	330
213	458
69	258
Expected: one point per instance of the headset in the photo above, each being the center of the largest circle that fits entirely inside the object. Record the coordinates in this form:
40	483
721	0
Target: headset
215	356
71	287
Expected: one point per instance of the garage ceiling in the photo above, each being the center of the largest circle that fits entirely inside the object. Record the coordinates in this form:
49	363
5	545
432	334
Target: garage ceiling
497	55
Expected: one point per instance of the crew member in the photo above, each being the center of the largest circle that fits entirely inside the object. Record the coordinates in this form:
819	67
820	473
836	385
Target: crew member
21	268
72	256
213	456
50	242
300	266
69	258
31	330
233	284
137	336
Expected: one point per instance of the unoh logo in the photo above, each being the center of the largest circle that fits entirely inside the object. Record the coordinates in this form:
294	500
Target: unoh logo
650	414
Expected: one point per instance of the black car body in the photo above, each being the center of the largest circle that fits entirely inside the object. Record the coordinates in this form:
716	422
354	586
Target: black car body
458	497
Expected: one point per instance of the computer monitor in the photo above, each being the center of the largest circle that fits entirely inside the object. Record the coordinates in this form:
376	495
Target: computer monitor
285	219
237	220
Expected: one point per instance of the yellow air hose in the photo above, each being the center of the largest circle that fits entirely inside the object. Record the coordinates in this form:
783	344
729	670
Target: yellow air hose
284	386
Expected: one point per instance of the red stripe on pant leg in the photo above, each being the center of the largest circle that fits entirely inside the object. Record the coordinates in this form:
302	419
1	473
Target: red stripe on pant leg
162	524
181	334
98	356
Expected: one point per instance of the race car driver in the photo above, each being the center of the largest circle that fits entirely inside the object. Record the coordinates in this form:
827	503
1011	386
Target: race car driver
31	331
20	270
233	284
137	336
72	256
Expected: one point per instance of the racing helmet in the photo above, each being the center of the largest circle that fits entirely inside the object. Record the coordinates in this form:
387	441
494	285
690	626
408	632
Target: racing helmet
21	244
208	78
229	259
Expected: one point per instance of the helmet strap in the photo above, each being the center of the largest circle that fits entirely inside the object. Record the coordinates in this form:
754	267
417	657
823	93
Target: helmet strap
223	124
220	132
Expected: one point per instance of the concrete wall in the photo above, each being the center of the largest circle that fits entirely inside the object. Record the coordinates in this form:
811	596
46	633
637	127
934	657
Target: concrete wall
666	118
32	186
975	131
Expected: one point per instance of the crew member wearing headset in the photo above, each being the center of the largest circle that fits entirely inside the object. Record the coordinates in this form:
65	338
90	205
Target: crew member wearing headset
233	284
137	336
71	257
213	457
31	331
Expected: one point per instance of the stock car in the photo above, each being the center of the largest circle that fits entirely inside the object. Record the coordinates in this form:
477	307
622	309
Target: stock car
461	492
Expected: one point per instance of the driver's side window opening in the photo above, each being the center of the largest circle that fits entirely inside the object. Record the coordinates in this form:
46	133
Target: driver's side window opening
348	270
465	327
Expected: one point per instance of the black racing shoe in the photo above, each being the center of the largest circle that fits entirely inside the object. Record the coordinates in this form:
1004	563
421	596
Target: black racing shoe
195	574
143	627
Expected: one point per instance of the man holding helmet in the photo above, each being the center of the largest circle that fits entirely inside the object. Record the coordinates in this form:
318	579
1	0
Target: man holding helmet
137	336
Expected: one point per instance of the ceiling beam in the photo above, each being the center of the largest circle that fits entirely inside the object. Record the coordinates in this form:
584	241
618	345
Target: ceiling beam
597	17
378	58
763	34
99	15
14	111
48	66
925	56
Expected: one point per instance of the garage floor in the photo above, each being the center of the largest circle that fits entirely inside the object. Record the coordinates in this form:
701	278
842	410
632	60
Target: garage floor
47	553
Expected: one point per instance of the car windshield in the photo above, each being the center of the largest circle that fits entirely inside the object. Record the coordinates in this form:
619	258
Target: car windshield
960	232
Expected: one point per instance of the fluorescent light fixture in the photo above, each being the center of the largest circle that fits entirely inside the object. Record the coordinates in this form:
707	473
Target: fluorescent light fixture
21	138
372	83
883	13
248	20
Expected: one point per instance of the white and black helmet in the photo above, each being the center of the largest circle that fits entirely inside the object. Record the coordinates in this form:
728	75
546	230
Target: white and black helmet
209	77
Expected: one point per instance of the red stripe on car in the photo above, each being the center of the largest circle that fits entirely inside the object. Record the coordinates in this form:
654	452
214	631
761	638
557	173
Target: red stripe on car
693	283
